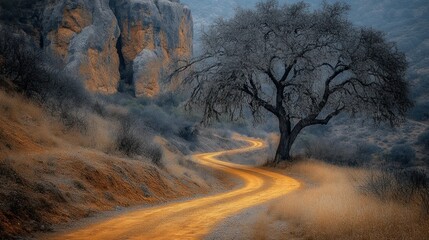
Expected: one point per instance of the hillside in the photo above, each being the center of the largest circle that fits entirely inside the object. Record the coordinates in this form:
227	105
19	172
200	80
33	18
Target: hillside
51	174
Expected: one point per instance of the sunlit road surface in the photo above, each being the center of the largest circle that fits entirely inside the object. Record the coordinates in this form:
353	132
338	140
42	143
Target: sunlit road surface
194	219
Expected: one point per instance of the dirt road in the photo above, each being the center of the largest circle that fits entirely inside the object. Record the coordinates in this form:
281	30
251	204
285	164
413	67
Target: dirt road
194	219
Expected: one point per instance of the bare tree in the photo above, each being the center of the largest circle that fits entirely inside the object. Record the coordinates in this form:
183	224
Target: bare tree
304	67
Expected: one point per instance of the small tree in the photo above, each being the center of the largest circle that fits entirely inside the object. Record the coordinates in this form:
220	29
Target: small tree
304	67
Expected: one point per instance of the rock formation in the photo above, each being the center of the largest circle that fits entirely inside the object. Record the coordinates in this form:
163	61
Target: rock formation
84	35
154	33
109	42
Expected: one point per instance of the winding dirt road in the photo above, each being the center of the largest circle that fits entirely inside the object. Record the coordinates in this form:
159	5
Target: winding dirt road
194	219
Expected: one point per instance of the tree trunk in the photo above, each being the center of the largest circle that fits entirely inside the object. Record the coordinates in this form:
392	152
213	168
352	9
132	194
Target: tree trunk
287	138
283	150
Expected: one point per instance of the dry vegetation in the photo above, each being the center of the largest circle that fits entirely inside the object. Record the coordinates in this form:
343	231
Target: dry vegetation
340	203
52	173
66	153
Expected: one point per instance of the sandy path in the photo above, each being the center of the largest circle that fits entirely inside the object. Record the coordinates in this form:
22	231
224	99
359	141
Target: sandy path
194	219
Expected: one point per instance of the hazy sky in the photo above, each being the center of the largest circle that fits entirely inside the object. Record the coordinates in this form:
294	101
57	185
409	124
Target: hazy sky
396	17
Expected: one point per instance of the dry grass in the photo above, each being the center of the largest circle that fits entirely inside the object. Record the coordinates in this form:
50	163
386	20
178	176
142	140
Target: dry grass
50	174
26	127
261	230
333	208
23	126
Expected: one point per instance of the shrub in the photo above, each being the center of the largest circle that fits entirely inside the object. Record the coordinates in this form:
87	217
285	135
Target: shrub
129	144
402	154
79	185
76	119
168	100
146	190
127	141
330	151
156	119
366	151
99	109
154	152
188	133
337	151
61	91
23	68
378	185
132	144
407	187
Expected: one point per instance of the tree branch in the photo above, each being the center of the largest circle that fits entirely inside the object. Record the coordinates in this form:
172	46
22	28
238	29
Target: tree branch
327	91
269	107
288	69
326	119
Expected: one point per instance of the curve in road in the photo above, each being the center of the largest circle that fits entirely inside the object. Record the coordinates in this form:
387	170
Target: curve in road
194	219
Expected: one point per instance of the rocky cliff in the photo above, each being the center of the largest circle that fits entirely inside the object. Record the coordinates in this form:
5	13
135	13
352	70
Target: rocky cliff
154	33
114	43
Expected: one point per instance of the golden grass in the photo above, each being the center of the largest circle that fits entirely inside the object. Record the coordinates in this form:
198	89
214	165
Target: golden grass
55	174
334	209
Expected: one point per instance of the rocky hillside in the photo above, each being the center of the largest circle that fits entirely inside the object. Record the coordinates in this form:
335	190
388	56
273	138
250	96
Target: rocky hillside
112	45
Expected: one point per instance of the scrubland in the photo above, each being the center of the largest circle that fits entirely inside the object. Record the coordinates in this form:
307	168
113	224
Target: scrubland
349	203
66	153
52	172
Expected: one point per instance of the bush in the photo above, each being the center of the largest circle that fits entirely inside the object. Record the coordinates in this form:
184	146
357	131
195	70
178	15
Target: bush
65	97
132	144
99	109
156	119
423	140
402	154
337	151
129	144
188	133
407	187
127	141
168	100
61	91
24	69
365	152
154	153
330	151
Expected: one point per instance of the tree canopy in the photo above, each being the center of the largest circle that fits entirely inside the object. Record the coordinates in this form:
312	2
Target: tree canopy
305	67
